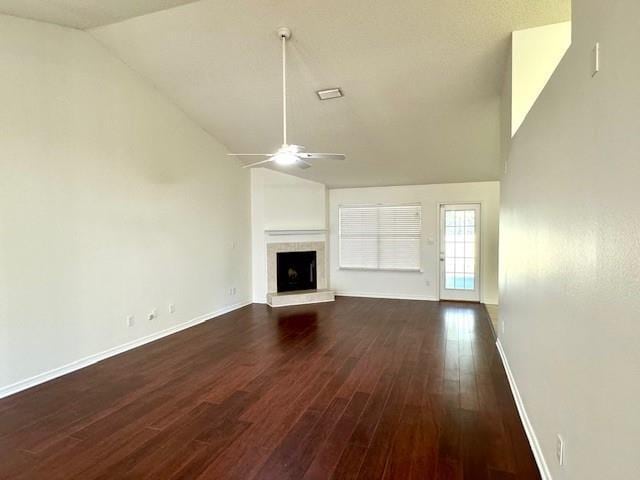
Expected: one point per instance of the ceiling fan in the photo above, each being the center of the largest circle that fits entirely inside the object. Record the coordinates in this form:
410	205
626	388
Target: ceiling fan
287	155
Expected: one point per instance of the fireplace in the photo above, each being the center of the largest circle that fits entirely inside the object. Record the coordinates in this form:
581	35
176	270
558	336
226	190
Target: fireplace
296	271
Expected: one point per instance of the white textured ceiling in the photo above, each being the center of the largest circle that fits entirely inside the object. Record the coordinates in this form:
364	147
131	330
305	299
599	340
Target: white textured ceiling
422	78
84	13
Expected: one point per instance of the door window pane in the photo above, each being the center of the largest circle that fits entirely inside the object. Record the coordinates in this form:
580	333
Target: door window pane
470	234
450	280
469	265
451	250
469	282
470	218
469	250
450	265
450	234
450	218
460	249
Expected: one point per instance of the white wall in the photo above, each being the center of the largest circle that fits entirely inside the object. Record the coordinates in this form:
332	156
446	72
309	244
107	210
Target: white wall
535	54
282	202
570	268
418	285
112	202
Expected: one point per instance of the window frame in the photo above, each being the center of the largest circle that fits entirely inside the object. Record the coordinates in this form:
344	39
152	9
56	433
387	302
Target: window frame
418	269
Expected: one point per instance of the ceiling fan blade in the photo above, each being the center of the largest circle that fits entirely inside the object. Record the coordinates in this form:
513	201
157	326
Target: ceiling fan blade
302	164
249	155
255	164
322	156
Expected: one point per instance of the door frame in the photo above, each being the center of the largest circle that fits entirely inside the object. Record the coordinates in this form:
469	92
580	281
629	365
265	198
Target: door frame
479	241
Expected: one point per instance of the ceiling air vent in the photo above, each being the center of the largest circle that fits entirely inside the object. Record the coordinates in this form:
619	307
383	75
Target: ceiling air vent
329	93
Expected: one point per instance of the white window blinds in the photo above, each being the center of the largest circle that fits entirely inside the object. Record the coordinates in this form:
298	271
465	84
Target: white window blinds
385	237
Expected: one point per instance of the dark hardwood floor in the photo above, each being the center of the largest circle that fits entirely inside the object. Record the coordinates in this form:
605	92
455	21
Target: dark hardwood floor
359	388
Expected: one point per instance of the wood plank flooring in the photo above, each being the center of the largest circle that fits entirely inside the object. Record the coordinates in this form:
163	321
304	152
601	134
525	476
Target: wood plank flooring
356	389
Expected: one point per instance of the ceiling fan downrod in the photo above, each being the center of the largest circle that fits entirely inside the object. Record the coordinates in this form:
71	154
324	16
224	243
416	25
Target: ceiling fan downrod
285	34
287	155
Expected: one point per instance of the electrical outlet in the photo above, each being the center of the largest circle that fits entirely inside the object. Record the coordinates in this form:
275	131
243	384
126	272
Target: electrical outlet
502	327
172	308
560	450
153	314
427	283
131	321
232	291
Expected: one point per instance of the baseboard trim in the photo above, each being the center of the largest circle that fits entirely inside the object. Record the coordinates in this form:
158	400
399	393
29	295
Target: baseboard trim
391	297
97	357
528	428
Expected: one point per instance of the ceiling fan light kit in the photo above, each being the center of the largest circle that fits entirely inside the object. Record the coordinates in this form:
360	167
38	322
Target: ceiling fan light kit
288	155
285	156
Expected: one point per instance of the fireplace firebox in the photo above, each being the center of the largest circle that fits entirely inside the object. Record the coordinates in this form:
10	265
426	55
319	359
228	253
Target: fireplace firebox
296	271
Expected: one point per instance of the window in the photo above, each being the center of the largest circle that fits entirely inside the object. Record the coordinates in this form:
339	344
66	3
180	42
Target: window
385	237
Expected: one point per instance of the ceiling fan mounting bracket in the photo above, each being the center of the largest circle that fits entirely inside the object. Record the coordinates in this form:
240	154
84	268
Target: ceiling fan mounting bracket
284	32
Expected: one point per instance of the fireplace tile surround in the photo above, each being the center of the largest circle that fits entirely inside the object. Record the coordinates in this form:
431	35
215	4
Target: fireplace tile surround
272	261
322	294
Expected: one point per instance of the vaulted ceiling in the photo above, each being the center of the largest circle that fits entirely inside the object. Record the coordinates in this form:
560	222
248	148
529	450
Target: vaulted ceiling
422	78
84	14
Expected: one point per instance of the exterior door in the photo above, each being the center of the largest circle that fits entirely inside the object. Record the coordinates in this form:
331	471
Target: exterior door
460	252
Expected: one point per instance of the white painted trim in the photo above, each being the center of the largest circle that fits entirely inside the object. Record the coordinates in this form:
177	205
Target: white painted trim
392	297
528	428
295	232
365	269
97	357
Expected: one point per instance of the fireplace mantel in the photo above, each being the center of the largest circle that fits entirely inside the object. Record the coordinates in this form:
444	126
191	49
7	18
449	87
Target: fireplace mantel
277	233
